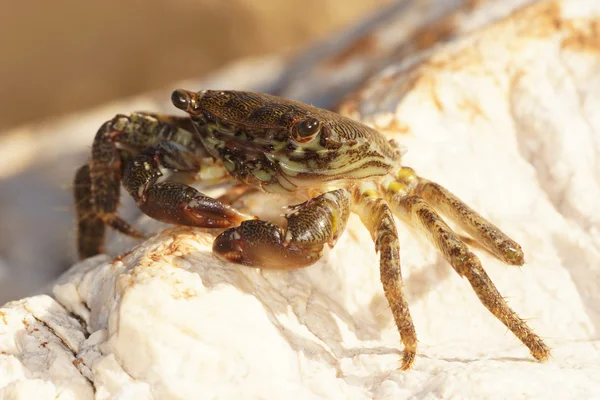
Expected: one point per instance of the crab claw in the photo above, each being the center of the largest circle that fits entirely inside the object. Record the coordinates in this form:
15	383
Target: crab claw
174	203
262	244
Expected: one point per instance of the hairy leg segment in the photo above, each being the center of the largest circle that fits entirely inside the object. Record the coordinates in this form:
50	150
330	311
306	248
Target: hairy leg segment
377	217
414	199
140	148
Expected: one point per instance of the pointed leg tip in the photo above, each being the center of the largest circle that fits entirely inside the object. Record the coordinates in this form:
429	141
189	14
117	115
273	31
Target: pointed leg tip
407	360
541	352
515	256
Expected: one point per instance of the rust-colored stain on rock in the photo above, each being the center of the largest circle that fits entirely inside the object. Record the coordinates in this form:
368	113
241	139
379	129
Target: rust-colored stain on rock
365	46
583	36
538	21
440	31
396	127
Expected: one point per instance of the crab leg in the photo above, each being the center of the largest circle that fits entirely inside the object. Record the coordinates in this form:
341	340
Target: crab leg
377	216
173	202
97	184
310	226
416	212
90	228
483	231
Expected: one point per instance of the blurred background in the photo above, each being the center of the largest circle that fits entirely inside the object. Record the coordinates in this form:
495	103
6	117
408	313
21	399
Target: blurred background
65	55
61	58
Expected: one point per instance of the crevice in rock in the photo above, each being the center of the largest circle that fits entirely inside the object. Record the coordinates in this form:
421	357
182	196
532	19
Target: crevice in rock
66	346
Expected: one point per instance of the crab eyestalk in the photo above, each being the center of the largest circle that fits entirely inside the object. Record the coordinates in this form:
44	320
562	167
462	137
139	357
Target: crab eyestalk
185	100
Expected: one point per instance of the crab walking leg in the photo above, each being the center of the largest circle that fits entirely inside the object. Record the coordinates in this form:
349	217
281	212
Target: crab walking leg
377	216
117	140
97	186
105	176
174	202
90	228
484	234
483	231
417	213
310	226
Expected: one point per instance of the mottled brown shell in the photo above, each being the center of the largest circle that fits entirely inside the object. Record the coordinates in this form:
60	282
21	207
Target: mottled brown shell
255	135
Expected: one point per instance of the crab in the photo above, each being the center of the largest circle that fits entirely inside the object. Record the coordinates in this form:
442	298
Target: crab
275	145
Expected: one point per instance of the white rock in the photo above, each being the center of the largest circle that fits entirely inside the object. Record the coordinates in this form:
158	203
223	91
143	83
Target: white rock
39	342
505	117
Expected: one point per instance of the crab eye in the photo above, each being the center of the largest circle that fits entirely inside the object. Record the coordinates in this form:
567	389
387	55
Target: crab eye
180	99
307	129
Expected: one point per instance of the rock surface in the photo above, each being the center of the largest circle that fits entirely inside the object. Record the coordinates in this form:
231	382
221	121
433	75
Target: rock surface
506	116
